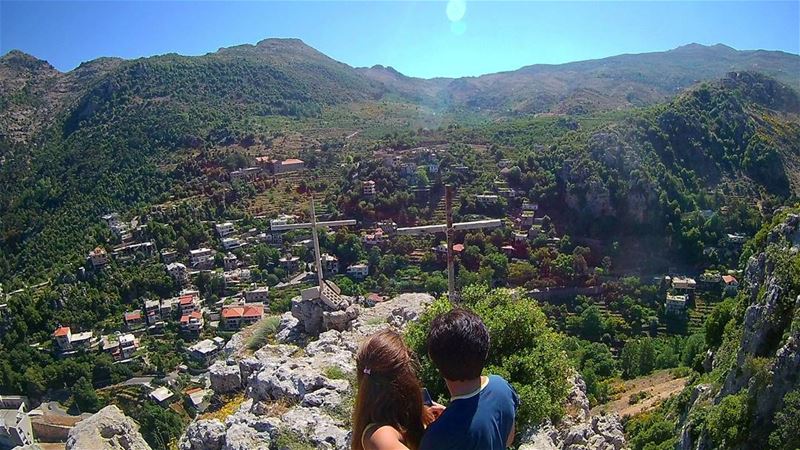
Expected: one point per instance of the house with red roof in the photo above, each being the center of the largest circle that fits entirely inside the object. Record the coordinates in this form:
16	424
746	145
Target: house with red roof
192	322
67	341
188	303
235	317
731	284
133	319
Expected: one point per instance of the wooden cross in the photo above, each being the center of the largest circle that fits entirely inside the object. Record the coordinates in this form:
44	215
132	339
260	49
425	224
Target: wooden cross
314	226
449	229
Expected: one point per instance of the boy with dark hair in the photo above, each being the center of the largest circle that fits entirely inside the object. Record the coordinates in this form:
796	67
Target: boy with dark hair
482	409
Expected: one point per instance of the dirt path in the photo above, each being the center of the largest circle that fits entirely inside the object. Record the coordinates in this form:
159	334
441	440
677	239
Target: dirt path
658	387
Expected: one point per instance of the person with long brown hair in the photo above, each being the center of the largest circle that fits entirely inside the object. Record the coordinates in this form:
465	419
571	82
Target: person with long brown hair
389	412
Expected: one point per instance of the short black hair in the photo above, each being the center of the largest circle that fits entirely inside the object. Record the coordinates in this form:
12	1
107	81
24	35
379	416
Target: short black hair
458	344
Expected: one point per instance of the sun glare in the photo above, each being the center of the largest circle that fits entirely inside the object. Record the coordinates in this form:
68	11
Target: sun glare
456	10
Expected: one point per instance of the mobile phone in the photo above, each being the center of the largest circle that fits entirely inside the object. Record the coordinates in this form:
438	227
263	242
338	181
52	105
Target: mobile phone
426	397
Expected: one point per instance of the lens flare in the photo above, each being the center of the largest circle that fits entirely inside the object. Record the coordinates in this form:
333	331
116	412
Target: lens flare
456	10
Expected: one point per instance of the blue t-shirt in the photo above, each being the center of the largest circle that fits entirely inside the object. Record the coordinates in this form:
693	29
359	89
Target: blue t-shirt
480	421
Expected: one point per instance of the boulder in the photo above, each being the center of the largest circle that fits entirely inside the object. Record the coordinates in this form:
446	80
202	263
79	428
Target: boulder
317	428
107	429
204	435
290	330
242	437
226	376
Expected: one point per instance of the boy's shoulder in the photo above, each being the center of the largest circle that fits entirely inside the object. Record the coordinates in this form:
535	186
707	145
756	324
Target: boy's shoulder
498	382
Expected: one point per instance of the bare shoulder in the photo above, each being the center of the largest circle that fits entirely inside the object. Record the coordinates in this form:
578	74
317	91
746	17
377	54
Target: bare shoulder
385	438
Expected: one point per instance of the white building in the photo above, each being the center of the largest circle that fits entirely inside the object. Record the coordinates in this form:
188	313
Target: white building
192	322
161	395
15	428
676	304
232	243
685	284
528	205
201	257
120	346
368	188
358	271
290	264
224	229
67	341
178	272
248	173
330	264
487	199
188	303
206	350
230	261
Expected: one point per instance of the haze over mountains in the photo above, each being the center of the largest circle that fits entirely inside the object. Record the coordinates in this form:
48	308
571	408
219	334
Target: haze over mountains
285	76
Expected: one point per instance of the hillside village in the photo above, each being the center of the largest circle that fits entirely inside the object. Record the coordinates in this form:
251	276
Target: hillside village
248	270
192	247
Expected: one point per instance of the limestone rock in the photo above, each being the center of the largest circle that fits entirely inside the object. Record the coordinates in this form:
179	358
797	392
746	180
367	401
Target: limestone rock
317	427
242	437
304	378
290	330
226	376
106	430
204	435
577	431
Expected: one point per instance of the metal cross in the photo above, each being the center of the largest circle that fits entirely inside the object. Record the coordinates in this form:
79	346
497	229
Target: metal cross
449	229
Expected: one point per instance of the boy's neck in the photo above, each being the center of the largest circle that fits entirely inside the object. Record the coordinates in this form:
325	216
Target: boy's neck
463	387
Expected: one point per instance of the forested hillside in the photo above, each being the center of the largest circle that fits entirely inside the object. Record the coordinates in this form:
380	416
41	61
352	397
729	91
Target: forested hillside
748	395
113	135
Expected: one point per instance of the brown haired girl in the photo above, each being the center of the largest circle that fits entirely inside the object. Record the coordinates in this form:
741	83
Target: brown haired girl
389	413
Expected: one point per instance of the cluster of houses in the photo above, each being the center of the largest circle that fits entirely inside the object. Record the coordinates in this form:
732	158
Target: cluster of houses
120	346
681	290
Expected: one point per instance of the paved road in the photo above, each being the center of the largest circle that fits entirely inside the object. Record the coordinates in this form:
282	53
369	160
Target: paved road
296	280
136	381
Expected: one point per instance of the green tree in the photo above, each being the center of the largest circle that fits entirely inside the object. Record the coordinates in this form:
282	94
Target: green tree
716	321
787	424
728	423
436	284
85	396
160	427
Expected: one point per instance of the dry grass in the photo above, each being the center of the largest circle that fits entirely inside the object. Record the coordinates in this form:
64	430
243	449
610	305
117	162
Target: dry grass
228	406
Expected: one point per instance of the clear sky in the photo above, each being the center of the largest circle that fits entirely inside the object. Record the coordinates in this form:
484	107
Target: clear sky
426	39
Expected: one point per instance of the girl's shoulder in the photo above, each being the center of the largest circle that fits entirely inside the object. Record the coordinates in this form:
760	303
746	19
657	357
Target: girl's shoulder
382	437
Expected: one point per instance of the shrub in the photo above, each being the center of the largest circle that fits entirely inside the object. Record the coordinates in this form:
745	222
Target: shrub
728	423
787	421
524	350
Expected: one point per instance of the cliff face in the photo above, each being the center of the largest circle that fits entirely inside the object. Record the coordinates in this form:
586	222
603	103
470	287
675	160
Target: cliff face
760	356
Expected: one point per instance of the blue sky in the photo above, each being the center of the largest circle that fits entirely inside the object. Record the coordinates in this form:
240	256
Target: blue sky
426	39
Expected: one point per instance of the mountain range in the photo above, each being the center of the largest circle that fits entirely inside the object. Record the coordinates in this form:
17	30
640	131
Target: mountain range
287	77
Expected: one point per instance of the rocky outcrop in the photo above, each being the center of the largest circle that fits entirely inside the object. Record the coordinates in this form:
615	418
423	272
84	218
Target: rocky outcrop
324	308
108	429
204	435
578	430
296	394
225	376
784	376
